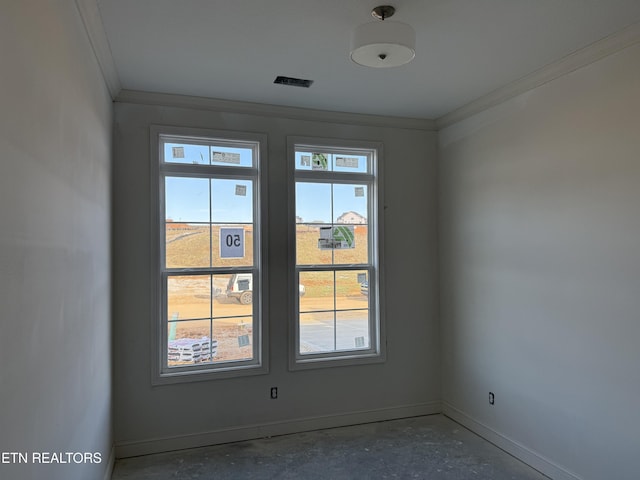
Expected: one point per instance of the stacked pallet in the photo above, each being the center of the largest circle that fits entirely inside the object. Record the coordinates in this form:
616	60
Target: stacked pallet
192	350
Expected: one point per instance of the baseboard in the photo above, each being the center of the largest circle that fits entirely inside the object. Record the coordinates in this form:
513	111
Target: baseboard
522	453
249	432
110	463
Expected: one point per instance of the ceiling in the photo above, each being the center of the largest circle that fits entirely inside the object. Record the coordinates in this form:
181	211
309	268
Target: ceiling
233	50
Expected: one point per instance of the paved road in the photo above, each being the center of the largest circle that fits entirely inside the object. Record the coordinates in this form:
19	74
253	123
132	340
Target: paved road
321	333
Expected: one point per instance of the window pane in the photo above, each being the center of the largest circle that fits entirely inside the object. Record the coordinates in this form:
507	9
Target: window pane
187	199
349	163
233	294
352	330
317	332
188	296
308	251
231	156
303	160
186	153
190	342
234	337
319	291
187	245
350	204
316	161
313	202
231	201
351	289
359	253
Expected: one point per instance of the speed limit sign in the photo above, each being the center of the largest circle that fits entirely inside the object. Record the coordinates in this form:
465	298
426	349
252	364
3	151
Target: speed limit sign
231	242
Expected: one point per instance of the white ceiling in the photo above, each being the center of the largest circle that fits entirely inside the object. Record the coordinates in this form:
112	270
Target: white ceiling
233	50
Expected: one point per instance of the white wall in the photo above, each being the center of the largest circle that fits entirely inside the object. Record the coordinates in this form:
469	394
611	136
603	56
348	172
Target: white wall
172	416
55	149
540	237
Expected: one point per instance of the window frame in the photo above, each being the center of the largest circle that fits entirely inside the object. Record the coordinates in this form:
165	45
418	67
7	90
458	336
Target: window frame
161	373
375	181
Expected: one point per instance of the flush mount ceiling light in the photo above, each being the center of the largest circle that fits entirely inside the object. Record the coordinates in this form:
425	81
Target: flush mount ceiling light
383	43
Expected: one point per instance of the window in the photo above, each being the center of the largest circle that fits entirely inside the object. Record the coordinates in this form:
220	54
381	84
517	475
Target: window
210	285
335	228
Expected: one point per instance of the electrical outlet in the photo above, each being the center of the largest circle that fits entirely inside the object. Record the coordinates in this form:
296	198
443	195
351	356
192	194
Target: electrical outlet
274	393
492	398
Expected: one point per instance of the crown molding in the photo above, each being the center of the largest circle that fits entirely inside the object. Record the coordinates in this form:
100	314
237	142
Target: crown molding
572	62
265	110
92	21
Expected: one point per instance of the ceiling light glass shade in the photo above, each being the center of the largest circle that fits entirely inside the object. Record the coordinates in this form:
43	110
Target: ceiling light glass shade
383	44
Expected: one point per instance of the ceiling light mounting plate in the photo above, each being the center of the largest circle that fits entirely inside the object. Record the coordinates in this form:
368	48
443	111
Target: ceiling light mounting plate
383	11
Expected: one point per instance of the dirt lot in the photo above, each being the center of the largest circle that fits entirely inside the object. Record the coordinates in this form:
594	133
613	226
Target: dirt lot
226	334
227	330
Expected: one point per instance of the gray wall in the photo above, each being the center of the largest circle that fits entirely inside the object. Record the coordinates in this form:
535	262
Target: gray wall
151	418
55	151
540	236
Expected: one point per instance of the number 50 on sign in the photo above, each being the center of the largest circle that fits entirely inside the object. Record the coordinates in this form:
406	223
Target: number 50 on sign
231	242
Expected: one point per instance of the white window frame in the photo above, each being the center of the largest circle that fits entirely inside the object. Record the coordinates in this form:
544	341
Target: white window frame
161	373
374	179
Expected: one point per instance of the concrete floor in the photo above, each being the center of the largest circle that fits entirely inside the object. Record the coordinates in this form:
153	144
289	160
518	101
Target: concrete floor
431	447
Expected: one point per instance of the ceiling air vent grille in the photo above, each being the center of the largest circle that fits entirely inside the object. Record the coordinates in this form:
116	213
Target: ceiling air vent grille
293	82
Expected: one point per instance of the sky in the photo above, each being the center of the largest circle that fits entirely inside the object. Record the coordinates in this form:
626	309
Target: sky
188	199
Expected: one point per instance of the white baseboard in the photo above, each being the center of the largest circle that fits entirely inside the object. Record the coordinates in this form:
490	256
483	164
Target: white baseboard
249	432
522	453
110	463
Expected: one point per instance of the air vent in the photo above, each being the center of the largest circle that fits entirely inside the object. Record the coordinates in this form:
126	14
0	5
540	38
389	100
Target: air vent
293	82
